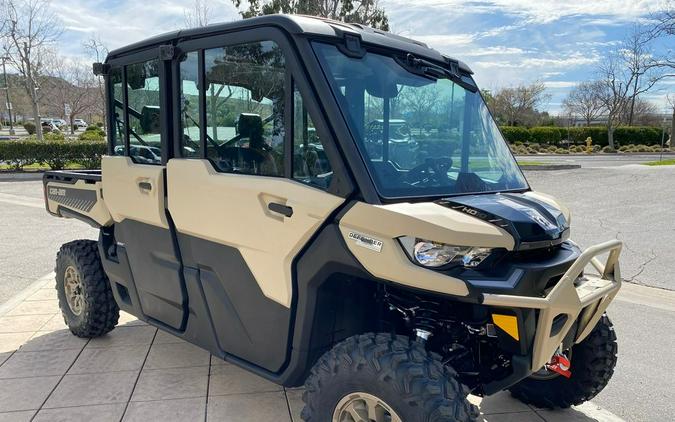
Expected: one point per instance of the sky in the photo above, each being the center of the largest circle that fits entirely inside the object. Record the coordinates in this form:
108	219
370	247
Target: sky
505	42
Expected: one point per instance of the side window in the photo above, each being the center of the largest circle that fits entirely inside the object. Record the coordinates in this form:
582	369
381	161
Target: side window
143	109
118	107
189	104
245	108
310	164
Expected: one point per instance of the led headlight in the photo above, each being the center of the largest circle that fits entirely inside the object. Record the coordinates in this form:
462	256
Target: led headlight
435	254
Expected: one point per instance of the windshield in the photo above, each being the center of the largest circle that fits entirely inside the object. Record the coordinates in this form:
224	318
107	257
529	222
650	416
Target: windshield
440	138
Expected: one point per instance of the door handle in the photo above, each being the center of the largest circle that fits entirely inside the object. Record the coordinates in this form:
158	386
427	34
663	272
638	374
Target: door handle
282	209
145	186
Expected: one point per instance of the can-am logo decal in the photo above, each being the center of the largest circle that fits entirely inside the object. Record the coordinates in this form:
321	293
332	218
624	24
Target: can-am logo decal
57	191
366	241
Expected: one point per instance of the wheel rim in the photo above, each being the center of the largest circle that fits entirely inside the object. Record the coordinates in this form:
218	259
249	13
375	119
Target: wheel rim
72	286
364	407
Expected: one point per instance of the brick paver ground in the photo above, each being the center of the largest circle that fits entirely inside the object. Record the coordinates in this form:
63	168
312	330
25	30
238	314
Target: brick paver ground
137	373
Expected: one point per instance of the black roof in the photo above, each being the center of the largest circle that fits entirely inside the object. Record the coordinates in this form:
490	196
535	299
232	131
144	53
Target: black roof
295	24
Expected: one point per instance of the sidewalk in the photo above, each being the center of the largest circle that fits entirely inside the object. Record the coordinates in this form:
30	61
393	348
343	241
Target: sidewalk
137	373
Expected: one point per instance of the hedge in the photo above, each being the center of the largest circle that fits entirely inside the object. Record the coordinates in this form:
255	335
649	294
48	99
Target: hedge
55	154
514	134
634	135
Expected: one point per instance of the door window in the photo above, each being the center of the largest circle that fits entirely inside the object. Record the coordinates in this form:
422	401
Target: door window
118	110
310	163
245	97
144	112
189	105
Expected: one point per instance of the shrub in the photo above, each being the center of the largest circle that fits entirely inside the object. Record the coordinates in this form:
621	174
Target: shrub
514	134
561	151
608	149
637	135
99	124
55	153
545	135
91	135
30	127
54	136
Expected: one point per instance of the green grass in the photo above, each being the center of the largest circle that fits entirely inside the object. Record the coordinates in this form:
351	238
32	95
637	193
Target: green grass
532	163
40	167
669	162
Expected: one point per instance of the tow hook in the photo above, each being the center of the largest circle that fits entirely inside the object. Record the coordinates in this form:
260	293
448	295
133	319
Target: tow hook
560	364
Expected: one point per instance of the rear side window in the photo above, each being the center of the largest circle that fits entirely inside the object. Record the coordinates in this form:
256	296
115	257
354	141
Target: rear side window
245	107
143	111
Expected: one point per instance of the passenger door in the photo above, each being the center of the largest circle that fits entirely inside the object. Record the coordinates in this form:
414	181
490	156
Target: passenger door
240	217
135	194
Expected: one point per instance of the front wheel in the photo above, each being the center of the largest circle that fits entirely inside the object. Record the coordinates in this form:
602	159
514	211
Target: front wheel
592	365
85	298
381	377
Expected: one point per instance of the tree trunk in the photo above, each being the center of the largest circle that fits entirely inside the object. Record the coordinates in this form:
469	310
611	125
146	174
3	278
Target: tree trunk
37	120
610	136
70	123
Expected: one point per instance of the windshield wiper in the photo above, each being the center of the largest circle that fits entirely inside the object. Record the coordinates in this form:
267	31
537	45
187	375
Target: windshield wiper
432	70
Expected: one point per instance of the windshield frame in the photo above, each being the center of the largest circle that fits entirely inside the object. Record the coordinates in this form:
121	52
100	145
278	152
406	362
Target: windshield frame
397	55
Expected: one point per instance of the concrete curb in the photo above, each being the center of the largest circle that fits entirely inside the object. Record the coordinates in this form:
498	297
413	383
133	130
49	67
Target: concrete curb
19	177
551	167
25	293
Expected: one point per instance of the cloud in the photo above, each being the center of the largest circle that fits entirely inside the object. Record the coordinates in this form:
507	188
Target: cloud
560	84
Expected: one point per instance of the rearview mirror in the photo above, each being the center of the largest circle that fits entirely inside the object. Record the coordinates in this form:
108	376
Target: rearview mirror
381	87
150	119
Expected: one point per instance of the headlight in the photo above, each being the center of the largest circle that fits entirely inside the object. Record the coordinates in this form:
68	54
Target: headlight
435	254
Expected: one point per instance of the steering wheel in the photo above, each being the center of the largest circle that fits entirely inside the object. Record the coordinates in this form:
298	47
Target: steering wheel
432	170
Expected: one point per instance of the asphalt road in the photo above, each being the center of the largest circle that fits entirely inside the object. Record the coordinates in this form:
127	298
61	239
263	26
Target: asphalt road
632	203
597	160
29	237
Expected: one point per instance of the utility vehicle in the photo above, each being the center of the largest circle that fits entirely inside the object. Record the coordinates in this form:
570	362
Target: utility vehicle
270	234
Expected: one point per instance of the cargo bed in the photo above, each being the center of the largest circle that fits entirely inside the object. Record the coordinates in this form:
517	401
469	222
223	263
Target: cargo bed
76	194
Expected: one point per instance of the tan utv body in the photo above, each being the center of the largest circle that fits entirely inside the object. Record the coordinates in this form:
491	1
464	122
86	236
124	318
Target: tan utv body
273	194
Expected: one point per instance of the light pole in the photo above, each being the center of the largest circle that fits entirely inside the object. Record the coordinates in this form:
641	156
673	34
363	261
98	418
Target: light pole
9	102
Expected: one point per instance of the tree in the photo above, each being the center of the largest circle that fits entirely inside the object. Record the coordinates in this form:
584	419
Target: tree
584	101
98	51
619	85
72	84
638	58
518	105
664	27
198	15
670	98
365	12
29	31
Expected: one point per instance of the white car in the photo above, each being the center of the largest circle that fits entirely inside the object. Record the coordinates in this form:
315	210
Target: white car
79	123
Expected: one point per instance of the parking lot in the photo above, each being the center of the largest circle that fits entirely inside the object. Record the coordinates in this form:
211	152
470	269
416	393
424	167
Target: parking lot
632	203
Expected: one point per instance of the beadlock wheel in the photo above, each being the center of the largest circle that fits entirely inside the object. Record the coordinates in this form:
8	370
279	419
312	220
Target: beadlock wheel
364	407
72	285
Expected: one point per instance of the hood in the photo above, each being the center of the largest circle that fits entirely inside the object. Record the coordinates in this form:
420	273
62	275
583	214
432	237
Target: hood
531	222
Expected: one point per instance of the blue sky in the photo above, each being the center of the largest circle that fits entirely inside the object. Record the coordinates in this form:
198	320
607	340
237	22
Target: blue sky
506	42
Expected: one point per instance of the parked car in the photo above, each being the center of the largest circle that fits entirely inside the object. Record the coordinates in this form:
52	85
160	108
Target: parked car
79	123
48	125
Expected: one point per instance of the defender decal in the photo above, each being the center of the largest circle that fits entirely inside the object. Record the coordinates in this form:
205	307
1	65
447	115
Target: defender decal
366	241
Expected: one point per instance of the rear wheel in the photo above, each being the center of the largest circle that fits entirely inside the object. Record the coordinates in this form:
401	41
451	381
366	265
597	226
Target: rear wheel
384	378
592	365
85	298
